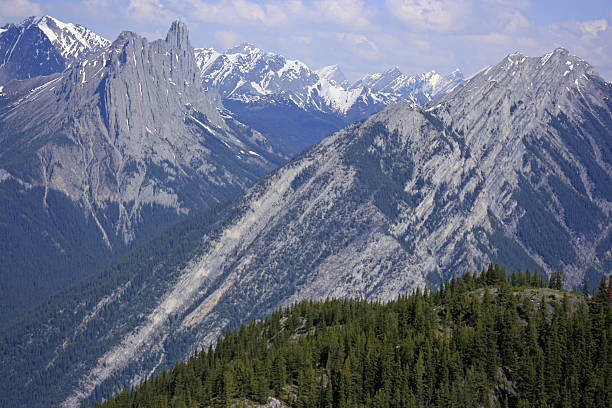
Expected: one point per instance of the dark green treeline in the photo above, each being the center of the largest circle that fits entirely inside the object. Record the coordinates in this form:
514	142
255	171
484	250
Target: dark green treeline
481	340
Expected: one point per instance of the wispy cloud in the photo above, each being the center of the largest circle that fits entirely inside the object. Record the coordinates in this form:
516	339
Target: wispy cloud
17	9
361	35
227	38
431	15
148	10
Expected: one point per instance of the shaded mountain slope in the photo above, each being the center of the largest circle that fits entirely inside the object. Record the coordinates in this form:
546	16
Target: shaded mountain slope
397	201
43	46
128	142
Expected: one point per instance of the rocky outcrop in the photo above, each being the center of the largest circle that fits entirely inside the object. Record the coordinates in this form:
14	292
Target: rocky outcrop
128	136
513	166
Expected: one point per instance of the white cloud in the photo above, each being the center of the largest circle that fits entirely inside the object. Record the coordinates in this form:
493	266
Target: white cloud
346	12
148	10
434	15
592	28
516	22
226	38
274	13
231	12
303	39
422	44
12	9
360	44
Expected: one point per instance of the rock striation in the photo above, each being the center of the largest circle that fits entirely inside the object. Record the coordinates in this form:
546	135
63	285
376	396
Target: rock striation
512	166
125	137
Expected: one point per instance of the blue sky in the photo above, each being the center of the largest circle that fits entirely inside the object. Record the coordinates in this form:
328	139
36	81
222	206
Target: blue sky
361	36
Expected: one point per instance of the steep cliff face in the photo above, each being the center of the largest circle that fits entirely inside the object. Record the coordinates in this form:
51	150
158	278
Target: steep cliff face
512	166
127	136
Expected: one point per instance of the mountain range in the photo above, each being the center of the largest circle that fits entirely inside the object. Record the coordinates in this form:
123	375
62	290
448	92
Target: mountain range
104	155
103	145
513	165
296	106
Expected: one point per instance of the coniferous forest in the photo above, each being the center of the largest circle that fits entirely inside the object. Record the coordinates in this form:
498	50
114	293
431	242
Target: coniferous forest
485	339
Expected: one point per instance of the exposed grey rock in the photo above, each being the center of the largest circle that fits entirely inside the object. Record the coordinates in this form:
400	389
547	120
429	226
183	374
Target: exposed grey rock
128	135
134	128
512	166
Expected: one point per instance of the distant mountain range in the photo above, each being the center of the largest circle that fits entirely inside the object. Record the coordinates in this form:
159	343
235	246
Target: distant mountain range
292	104
514	165
264	88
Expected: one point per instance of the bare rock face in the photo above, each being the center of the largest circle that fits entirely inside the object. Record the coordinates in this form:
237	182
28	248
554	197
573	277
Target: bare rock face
130	126
512	166
128	136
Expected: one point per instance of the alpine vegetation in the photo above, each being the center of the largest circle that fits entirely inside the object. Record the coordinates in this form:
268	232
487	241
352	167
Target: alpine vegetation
513	165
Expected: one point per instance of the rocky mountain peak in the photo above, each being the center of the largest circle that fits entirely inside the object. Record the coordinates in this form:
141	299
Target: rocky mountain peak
44	45
122	143
455	75
124	37
178	36
141	104
333	73
395	71
553	80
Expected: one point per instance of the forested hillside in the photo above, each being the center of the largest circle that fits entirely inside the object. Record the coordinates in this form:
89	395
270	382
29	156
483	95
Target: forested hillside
483	339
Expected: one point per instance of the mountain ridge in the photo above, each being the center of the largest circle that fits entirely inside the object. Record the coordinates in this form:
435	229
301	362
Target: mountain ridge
263	73
394	202
262	87
127	138
44	46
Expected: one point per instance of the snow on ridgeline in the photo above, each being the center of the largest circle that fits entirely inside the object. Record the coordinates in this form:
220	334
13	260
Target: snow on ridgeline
248	74
72	41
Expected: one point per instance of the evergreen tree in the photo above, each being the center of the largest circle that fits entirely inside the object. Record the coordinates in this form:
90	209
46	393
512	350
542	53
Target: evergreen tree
485	340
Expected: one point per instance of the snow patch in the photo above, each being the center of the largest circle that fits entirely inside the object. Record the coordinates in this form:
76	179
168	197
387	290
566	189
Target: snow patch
545	58
202	125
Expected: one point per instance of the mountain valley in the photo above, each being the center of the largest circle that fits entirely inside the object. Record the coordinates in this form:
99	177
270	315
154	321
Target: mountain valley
513	165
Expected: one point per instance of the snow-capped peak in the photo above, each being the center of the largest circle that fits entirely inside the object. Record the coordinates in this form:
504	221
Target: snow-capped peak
332	73
205	57
248	74
419	88
71	40
243	48
245	71
41	46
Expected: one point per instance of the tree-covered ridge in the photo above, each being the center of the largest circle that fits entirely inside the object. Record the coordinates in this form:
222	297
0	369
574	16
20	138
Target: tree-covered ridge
481	340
